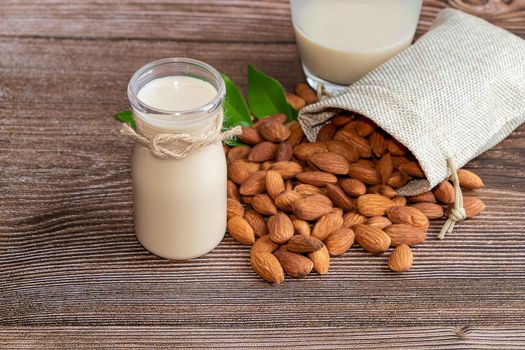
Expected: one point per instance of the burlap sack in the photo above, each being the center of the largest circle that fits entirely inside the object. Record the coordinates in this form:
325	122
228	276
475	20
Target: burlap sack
458	91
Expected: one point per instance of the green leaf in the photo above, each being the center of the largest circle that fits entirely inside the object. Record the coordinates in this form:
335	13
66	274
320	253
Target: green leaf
233	142
126	117
235	109
266	95
294	112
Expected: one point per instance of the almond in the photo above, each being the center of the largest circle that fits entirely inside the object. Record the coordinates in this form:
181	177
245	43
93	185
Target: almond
285	152
256	221
401	259
301	227
239	170
287	170
431	210
274	183
234	208
264	245
423	197
408	215
288	185
317	178
372	239
250	136
280	228
358	143
304	244
247	199
263	204
373	204
339	197
282	248
239	152
308	190
271	118
240	230
232	191
379	222
341	120
312	208
365	127
326	132
263	151
273	131
469	180
339	211
383	190
405	234
285	200
306	93
397	180
321	260
353	218
295	101
385	167
411	168
444	192
396	148
254	184
378	143
330	162
473	206
327	224
365	174
399	201
295	265
366	162
338	242
266	165
399	160
304	150
343	149
267	267
353	187
296	133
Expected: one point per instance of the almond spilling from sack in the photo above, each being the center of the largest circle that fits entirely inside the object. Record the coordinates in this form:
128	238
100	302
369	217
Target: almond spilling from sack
298	203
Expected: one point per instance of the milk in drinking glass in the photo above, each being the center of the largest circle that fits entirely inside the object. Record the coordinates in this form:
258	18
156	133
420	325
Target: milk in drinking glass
339	41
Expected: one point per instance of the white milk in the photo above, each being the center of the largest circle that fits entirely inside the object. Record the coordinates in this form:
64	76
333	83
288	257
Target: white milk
176	93
180	205
342	40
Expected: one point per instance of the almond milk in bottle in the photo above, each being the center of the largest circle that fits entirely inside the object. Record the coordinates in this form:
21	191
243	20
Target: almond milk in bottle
179	204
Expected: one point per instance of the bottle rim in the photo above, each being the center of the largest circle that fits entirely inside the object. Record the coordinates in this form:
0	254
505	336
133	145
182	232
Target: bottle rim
180	67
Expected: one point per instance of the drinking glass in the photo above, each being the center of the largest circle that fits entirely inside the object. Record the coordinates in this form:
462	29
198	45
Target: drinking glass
339	41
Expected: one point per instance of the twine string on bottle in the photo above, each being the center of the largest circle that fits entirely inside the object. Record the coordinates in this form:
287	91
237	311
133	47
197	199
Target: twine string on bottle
180	145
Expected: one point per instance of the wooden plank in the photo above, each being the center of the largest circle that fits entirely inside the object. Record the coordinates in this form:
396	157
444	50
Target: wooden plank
69	255
72	272
205	20
444	338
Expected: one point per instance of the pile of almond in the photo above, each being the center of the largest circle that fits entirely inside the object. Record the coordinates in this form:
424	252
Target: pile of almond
299	203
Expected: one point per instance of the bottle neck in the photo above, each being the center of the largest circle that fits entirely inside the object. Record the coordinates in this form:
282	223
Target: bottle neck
151	125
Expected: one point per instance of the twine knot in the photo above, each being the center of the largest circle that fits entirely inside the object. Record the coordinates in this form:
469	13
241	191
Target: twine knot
457	213
179	145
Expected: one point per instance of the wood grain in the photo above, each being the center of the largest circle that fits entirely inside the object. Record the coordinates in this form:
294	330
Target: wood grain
204	20
72	271
116	337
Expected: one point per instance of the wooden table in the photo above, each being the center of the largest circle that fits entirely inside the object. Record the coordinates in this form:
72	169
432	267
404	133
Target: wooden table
72	273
